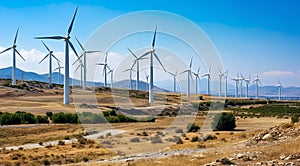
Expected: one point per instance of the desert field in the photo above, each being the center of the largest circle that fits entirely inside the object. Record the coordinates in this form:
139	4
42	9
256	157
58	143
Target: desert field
139	143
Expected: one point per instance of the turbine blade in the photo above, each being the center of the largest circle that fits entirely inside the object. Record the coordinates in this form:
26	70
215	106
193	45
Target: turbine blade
6	50
44	58
55	58
154	36
78	59
144	54
16	36
198	70
100	64
184	71
79	65
20	54
71	45
191	62
106	58
71	25
132	53
159	61
45	46
79	44
91	51
51	37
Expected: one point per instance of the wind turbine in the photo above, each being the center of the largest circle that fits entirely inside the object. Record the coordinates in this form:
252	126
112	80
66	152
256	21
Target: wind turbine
222	74
14	48
67	44
237	79
147	78
247	84
111	72
189	75
174	79
256	80
50	55
241	85
197	78
84	62
58	68
208	80
136	61
226	80
130	77
151	52
279	90
105	65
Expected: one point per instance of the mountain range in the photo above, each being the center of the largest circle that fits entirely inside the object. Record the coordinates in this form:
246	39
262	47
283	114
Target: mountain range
161	86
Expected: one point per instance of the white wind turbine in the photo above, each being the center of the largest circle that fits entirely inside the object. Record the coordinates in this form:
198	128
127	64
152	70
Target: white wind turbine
67	44
152	53
111	72
50	55
136	61
222	74
147	82
130	77
241	85
174	79
83	55
279	90
226	80
14	48
208	80
247	80
105	65
237	79
256	80
197	79
189	75
80	65
59	69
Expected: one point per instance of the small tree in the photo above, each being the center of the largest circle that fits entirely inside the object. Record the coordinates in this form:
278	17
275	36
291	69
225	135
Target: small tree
224	121
295	118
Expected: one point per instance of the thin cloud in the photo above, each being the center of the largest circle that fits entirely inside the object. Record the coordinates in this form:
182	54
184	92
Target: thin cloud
277	73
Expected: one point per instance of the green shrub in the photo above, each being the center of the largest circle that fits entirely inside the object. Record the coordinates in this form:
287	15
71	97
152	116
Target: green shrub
295	118
192	127
112	113
66	137
64	118
41	119
49	114
224	121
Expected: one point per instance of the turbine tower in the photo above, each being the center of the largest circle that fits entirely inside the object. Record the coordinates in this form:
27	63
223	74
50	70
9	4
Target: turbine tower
208	80
130	77
174	79
197	79
247	80
105	65
136	61
83	55
14	48
58	68
237	79
81	73
152	53
226	80
67	45
279	90
50	54
256	80
189	75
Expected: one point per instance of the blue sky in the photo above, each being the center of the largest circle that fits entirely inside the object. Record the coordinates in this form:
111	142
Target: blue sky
251	36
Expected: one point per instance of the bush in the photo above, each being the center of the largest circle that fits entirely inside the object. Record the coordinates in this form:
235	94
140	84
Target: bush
135	140
224	121
66	137
41	119
192	127
49	114
295	118
112	113
179	130
64	118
